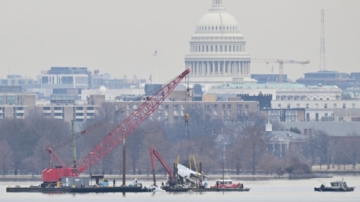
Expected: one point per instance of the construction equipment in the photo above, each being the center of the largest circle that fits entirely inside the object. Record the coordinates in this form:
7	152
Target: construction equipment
53	174
281	64
153	153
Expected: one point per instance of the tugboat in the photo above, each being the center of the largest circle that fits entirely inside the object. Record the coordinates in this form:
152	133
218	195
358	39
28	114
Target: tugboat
227	184
336	186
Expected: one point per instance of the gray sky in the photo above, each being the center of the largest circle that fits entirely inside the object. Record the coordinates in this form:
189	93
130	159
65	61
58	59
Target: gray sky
119	37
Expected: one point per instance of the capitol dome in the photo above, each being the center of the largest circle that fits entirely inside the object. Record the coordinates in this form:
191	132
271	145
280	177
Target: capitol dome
217	49
218	20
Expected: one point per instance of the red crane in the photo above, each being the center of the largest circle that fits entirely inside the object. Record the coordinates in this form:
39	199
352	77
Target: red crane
153	153
54	174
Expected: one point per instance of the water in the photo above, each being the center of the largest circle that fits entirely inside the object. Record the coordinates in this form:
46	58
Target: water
264	191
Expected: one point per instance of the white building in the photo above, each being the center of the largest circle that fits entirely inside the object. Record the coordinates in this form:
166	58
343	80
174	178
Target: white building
282	93
321	103
217	49
64	80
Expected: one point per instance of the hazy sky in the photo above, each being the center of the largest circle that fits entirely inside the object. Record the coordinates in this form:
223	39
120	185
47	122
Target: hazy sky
119	37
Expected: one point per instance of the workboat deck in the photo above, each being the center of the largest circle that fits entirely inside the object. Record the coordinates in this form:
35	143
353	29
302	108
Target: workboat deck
77	190
337	186
173	189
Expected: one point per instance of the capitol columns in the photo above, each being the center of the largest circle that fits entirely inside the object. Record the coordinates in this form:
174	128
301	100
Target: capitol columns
213	68
203	67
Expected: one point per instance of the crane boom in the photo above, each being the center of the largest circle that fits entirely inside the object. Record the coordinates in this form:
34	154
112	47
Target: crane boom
281	64
54	156
153	153
115	137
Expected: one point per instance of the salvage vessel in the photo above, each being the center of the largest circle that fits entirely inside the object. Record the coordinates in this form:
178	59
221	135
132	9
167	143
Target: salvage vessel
336	186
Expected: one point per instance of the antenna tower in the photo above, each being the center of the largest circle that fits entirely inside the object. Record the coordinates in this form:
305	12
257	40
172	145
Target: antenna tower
322	43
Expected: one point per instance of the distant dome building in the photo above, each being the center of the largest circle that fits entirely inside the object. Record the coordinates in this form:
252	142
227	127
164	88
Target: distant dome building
217	49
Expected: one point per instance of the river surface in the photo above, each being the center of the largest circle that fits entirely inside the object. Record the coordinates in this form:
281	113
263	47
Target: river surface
264	191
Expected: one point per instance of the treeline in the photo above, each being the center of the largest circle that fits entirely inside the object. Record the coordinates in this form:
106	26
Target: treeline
241	144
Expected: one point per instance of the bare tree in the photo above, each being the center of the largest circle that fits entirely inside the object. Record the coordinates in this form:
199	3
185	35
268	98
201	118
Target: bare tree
348	149
6	157
270	164
320	142
251	135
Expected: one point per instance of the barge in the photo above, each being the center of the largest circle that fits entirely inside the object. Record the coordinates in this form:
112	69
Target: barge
81	185
77	189
178	189
223	185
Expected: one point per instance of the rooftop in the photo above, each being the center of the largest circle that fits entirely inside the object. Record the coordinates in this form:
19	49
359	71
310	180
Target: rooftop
273	86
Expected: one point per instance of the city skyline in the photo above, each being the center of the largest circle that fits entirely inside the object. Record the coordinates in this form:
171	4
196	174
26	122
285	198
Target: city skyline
120	38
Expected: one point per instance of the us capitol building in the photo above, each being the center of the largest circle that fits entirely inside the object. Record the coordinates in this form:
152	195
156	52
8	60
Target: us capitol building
217	50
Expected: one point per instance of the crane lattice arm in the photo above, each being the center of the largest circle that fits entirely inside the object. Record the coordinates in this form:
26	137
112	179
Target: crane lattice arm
115	137
130	123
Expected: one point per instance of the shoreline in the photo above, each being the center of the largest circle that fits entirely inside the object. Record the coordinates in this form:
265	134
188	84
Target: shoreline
160	178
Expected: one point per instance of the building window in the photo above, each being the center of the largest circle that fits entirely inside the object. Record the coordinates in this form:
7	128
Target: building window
316	105
90	108
10	99
229	106
215	106
353	105
335	106
67	80
344	106
176	107
307	106
325	106
239	106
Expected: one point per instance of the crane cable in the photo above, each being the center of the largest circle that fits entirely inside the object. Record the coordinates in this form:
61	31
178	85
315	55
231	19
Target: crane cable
186	119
